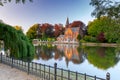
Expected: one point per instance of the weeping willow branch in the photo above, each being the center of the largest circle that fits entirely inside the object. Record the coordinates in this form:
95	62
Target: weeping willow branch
14	40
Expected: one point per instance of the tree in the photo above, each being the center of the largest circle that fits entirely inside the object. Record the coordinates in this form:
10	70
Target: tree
15	41
78	37
18	28
57	30
98	25
2	2
107	27
110	8
32	32
49	31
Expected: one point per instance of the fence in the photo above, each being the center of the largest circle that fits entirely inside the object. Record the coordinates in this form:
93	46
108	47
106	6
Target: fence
47	72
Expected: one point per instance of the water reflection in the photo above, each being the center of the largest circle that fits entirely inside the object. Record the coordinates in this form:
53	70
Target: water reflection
69	52
100	57
91	60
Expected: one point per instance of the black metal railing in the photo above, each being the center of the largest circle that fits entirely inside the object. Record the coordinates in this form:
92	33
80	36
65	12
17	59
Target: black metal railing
47	72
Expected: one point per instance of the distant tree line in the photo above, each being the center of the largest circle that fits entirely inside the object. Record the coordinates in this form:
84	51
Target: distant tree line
46	30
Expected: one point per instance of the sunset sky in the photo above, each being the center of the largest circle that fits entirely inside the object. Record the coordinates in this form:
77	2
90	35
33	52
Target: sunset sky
45	11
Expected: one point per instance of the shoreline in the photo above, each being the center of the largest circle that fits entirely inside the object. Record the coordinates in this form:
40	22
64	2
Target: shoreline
83	44
101	44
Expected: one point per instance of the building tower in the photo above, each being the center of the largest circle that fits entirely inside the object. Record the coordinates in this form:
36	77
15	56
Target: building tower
67	23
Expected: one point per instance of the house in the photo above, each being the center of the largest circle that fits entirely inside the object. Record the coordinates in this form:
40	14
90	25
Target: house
72	30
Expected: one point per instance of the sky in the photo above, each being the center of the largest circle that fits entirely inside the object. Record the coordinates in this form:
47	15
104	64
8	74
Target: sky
45	11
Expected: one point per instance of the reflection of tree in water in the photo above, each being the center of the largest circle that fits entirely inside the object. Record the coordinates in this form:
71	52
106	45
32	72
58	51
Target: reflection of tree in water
102	57
44	52
57	52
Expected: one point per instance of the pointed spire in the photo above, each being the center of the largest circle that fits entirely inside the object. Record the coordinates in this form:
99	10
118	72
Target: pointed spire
67	22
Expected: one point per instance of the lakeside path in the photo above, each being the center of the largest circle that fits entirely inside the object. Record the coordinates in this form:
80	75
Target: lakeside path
8	73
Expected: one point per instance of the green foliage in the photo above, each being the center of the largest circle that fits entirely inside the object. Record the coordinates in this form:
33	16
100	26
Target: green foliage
14	40
82	41
110	8
98	26
113	32
78	37
109	27
31	33
50	39
89	38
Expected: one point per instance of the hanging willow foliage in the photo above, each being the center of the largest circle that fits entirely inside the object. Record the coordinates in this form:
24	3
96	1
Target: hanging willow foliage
14	40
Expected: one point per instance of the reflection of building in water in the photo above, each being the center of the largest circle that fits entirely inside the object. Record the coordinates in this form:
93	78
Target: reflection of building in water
71	53
60	52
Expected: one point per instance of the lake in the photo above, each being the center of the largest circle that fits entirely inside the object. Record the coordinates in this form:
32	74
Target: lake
90	60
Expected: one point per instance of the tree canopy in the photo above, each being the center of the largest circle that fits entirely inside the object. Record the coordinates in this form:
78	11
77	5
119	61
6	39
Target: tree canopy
109	8
14	40
18	28
105	28
44	31
2	2
31	33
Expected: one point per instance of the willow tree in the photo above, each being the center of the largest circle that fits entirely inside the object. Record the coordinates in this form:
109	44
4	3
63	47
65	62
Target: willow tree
14	40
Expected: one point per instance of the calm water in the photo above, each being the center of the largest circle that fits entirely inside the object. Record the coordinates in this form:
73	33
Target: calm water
91	60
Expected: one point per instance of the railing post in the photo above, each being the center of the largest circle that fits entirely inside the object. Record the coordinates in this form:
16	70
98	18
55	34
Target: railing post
1	56
85	76
62	74
68	74
32	66
49	72
40	68
28	66
108	76
95	77
55	72
44	71
76	76
12	62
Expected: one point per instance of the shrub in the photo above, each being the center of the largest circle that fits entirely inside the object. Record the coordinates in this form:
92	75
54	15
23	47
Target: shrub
89	38
101	37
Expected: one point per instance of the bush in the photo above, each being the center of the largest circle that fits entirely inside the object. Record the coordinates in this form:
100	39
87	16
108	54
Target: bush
82	41
101	37
89	38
